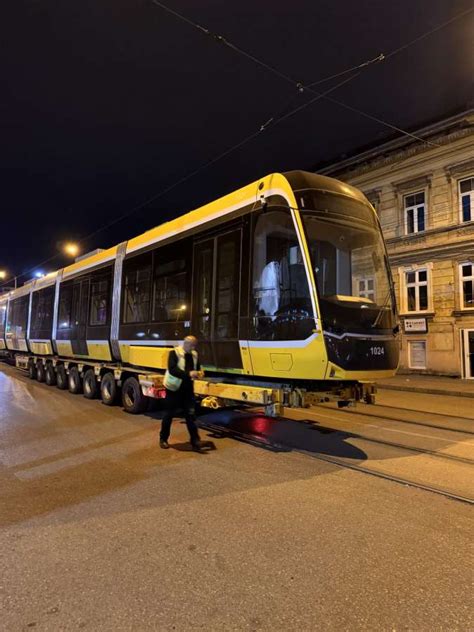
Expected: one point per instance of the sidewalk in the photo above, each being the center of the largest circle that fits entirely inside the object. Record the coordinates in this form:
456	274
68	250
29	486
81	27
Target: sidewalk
432	384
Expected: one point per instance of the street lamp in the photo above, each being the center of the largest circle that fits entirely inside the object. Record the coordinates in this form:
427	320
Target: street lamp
71	249
3	277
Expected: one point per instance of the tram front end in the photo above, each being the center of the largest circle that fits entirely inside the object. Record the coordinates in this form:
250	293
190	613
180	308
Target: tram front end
349	270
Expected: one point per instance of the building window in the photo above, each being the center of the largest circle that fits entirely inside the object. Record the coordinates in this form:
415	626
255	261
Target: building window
417	354
466	199
466	274
416	283
375	204
366	288
414	212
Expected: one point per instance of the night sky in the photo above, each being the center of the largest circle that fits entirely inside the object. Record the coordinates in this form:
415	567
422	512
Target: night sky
105	103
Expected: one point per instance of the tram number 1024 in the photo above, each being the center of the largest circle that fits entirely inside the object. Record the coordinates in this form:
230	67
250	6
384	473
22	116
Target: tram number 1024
377	351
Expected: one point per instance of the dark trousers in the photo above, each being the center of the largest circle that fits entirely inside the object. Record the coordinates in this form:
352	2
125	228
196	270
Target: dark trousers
174	403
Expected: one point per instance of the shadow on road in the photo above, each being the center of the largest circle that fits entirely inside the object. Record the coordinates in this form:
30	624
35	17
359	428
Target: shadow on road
281	435
274	434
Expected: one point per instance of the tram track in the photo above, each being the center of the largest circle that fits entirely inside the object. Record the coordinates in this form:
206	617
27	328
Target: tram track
374	412
339	462
309	415
402	446
387	459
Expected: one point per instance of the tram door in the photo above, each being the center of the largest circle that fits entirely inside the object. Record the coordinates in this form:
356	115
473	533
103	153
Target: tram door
216	299
80	303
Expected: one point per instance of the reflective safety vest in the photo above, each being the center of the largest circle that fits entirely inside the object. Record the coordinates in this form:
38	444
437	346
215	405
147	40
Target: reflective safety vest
171	382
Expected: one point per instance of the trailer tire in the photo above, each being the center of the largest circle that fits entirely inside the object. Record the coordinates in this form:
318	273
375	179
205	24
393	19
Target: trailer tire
133	400
61	377
40	371
90	384
74	381
108	389
32	370
50	375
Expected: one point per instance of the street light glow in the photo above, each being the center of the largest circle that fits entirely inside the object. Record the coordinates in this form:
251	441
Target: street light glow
39	274
71	249
3	274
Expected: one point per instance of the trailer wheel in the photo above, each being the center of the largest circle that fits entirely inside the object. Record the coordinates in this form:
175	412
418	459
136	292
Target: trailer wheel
32	370
50	376
61	377
108	389
40	371
133	400
74	381
90	384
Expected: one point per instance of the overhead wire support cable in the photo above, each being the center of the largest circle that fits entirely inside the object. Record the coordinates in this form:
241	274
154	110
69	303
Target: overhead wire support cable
430	32
301	86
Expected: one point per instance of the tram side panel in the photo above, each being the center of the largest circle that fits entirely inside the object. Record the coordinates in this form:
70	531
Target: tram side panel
155	303
84	315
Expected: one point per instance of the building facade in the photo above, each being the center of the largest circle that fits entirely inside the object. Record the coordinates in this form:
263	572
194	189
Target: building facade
424	196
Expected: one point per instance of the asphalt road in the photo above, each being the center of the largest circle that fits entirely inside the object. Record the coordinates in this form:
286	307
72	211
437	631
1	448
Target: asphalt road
102	530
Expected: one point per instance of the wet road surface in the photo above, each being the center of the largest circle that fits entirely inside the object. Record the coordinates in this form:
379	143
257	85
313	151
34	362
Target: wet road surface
103	530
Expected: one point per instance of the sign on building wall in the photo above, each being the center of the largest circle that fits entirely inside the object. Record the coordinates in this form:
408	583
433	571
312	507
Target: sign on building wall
415	325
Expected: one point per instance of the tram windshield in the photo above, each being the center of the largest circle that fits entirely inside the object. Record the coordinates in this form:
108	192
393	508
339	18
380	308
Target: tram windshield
349	263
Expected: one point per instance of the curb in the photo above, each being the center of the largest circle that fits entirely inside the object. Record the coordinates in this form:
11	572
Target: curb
428	391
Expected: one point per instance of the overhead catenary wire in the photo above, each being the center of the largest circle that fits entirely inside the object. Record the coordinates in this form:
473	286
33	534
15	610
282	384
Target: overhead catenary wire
301	86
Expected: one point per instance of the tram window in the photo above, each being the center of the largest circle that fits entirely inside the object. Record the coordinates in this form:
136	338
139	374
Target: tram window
65	306
3	311
279	277
137	286
227	285
170	296
17	315
99	302
203	284
349	264
280	291
42	310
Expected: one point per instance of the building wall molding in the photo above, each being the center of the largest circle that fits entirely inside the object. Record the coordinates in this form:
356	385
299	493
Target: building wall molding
460	168
420	182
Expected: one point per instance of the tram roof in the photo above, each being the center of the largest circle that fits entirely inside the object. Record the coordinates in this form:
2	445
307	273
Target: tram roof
291	181
302	180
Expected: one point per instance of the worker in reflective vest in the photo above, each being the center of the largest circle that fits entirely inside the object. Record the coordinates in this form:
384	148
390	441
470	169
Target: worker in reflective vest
183	368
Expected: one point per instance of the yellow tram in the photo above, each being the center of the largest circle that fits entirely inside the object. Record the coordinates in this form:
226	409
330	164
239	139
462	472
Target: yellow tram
285	282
